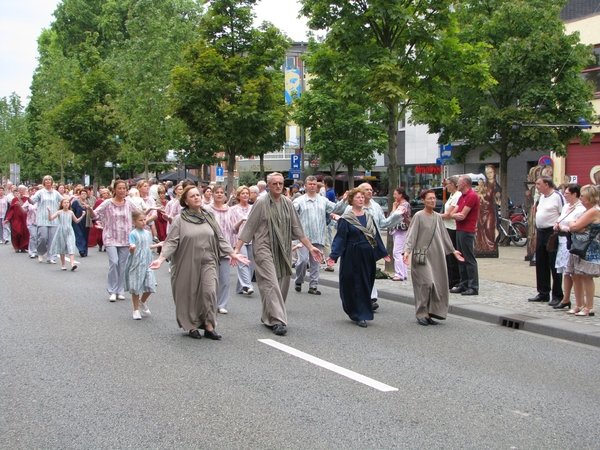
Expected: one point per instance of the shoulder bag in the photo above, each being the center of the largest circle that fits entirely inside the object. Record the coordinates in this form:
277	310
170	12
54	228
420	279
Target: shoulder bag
420	254
581	241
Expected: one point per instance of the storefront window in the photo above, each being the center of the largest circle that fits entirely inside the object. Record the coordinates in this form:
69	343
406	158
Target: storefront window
416	178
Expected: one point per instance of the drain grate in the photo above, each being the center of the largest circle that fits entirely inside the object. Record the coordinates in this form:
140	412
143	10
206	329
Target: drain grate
515	321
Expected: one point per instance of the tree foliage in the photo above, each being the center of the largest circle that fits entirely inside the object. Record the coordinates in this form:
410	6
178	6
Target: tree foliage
12	132
228	89
537	71
344	129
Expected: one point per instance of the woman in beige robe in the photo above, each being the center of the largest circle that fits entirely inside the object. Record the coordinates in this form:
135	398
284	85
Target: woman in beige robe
194	245
430	281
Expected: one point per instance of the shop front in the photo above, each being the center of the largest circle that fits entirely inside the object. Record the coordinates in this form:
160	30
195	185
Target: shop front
422	176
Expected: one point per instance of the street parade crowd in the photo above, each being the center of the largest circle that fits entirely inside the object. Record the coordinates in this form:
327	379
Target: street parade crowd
273	235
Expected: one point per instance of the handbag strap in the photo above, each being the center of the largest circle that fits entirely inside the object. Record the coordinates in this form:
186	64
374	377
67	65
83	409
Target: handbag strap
432	231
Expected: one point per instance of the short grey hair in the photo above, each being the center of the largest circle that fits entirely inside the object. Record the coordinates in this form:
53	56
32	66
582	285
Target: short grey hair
271	175
254	189
261	184
466	179
310	178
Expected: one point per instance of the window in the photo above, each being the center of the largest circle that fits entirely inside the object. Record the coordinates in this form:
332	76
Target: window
592	72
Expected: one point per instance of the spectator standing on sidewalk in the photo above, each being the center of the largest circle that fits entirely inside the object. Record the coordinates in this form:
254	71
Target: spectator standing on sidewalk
313	210
450	224
466	214
547	213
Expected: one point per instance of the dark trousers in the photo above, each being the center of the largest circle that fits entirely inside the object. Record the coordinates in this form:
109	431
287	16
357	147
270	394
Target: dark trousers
545	266
452	263
469	275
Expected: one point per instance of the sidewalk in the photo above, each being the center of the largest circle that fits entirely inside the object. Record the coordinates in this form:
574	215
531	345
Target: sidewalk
505	285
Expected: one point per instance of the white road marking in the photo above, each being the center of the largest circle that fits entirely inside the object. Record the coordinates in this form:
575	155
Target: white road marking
329	366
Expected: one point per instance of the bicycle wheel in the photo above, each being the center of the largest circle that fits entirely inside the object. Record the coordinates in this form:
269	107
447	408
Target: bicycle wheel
520	234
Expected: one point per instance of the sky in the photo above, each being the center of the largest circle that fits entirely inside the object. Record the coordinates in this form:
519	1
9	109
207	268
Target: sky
21	22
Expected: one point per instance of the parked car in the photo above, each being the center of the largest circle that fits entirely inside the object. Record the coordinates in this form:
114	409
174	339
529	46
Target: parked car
416	204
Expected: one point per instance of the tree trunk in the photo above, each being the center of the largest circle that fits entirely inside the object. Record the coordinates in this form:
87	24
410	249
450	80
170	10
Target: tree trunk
392	131
95	174
261	174
230	171
350	176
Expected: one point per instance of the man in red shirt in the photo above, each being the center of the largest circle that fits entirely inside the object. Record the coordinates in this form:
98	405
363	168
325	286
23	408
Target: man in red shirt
466	214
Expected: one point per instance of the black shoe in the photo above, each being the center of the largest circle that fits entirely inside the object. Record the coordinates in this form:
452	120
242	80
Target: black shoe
436	317
298	288
422	321
470	292
279	329
538	298
362	323
457	290
430	321
314	291
554	302
375	304
562	305
195	334
212	334
81	254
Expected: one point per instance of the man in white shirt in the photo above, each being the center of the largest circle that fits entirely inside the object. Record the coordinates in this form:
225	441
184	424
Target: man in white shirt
547	213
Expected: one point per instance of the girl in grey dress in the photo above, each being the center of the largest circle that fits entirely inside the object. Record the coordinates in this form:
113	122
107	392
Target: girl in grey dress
64	239
139	279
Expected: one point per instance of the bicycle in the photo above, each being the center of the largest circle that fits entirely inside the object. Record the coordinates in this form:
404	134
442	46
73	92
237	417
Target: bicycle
515	231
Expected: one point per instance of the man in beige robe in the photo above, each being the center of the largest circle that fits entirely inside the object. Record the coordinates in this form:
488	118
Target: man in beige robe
271	226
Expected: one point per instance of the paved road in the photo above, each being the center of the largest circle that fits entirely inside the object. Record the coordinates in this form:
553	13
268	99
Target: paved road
77	372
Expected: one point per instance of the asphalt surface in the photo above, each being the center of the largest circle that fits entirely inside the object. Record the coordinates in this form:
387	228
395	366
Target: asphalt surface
77	372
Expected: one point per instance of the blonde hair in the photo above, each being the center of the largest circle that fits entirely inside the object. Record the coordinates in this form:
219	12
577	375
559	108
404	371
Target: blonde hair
591	192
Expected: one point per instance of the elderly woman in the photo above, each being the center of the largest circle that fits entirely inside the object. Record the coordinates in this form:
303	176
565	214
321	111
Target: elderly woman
359	244
238	215
195	246
46	197
572	210
429	280
584	270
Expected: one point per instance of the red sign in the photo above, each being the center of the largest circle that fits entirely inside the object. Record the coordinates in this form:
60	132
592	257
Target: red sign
428	170
314	163
545	161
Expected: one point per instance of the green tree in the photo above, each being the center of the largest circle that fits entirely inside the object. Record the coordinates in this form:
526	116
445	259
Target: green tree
537	68
412	55
341	128
46	152
157	33
225	86
85	119
12	132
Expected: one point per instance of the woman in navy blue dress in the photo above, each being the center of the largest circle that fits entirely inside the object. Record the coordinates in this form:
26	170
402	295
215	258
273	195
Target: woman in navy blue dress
359	245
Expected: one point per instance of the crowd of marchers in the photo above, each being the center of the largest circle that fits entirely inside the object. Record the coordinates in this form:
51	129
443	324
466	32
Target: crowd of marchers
273	235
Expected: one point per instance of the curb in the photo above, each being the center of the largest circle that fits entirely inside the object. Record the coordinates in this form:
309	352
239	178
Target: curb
582	333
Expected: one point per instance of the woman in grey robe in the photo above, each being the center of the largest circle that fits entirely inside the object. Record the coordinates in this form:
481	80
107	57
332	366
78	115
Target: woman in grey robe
430	281
194	245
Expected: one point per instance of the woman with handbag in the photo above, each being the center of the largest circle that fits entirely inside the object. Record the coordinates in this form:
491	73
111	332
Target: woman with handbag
572	210
399	233
359	244
585	266
428	243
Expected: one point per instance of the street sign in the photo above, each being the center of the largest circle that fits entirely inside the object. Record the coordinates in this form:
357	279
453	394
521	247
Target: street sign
296	161
295	174
573	179
219	174
545	161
